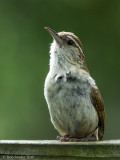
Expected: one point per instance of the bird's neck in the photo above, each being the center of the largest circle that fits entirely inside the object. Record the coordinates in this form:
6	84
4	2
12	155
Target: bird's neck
59	64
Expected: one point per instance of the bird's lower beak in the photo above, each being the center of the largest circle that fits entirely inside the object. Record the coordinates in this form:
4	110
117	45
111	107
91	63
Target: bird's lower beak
54	35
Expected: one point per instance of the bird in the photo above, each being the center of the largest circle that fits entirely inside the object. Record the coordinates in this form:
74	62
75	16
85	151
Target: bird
74	101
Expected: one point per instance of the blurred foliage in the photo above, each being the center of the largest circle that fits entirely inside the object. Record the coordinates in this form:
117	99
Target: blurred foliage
24	59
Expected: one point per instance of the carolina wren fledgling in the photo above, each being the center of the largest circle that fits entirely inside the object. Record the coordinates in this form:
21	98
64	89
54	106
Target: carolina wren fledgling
74	101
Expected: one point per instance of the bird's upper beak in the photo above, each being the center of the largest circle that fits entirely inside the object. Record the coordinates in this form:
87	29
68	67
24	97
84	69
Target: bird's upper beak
54	35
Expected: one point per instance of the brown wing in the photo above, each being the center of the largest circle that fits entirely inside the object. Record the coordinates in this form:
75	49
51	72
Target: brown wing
99	106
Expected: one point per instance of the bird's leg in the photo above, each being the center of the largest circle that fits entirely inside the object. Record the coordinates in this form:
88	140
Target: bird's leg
66	138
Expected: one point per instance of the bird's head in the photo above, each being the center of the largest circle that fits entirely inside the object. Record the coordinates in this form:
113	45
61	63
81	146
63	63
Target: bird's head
67	46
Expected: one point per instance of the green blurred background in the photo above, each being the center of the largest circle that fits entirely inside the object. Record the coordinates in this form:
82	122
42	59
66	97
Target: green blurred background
24	59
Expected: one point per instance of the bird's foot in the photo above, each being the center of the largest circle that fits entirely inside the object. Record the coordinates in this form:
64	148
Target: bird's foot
63	139
66	138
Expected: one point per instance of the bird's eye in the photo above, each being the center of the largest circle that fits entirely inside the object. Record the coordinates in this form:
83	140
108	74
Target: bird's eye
70	42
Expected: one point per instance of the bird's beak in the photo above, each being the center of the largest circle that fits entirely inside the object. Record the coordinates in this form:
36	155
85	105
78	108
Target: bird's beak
54	35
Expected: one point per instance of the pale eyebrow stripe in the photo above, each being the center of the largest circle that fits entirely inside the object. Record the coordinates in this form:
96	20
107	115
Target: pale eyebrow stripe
76	43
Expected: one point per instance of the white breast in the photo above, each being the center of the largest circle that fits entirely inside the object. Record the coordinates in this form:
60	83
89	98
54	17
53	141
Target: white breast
70	105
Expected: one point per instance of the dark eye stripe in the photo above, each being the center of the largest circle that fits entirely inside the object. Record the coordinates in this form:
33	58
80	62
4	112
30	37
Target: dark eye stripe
76	43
